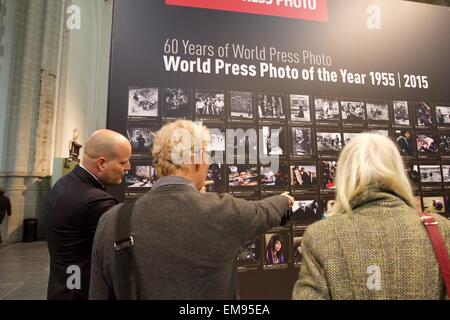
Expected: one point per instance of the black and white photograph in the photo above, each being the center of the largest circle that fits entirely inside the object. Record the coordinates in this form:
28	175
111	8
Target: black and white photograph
271	106
401	113
423	114
209	104
275	178
412	171
305	211
297	247
303	176
405	140
348	136
300	108
143	103
446	173
241	105
430	174
141	139
176	103
377	111
242	176
353	111
327	109
329	142
214	179
217	139
274	141
443	115
434	204
427	143
244	142
328	175
249	253
384	133
141	176
325	206
444	144
301	142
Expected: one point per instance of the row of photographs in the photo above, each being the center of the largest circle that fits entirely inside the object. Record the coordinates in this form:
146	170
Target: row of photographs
297	141
217	105
281	247
297	177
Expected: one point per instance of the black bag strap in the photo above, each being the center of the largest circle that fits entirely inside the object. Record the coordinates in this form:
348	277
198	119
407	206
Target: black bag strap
127	278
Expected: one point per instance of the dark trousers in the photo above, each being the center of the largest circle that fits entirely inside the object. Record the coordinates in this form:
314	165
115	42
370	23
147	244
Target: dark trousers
2	216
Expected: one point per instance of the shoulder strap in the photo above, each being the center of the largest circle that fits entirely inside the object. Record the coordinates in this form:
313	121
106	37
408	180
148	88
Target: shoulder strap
124	257
439	247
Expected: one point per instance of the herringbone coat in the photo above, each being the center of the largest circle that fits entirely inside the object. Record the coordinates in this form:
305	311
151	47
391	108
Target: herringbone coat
379	251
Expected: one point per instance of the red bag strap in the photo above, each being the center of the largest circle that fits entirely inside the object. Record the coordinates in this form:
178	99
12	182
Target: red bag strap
439	247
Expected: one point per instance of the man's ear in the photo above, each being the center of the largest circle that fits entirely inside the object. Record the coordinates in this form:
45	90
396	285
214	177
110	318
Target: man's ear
101	163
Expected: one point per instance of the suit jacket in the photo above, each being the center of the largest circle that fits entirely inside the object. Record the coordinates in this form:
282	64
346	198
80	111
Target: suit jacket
186	242
379	251
73	208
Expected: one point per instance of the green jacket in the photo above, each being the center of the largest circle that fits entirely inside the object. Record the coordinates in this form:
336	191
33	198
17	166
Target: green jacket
380	251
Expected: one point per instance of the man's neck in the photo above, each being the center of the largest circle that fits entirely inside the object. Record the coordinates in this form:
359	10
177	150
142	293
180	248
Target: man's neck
93	175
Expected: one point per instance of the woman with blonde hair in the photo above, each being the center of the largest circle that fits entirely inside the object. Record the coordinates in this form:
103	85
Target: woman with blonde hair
373	244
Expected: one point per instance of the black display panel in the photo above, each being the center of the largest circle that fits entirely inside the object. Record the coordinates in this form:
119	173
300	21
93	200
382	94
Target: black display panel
305	87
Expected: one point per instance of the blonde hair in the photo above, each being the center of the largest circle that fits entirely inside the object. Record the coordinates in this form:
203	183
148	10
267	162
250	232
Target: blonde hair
176	144
370	160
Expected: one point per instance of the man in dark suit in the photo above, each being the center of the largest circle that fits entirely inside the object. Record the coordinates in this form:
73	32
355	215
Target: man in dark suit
73	209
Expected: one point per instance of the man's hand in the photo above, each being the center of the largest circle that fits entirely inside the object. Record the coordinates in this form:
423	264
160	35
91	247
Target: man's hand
207	184
291	199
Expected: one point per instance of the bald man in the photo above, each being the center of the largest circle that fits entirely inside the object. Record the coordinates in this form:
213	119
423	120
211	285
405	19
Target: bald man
73	209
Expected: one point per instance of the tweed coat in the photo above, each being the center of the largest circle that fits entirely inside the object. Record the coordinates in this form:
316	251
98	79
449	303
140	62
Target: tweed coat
379	251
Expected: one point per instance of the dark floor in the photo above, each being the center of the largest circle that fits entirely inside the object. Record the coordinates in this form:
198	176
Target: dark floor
24	269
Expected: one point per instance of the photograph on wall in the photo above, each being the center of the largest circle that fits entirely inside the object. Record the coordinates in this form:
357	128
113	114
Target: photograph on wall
209	104
328	175
300	108
277	249
214	179
348	136
327	109
177	103
301	142
305	212
297	237
329	142
427	143
443	115
325	206
444	144
242	176
353	112
405	142
401	113
275	178
140	176
245	141
141	139
143	103
377	111
384	133
303	176
217	139
446	173
423	114
412	171
271	106
274	141
430	174
433	204
249	253
241	106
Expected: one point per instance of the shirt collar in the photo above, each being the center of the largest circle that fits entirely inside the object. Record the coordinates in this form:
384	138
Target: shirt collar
172	180
81	166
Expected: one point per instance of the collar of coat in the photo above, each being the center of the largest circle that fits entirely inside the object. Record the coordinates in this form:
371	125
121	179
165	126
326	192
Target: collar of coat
377	194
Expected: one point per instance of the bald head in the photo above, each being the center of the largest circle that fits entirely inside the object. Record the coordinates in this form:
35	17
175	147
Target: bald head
107	154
